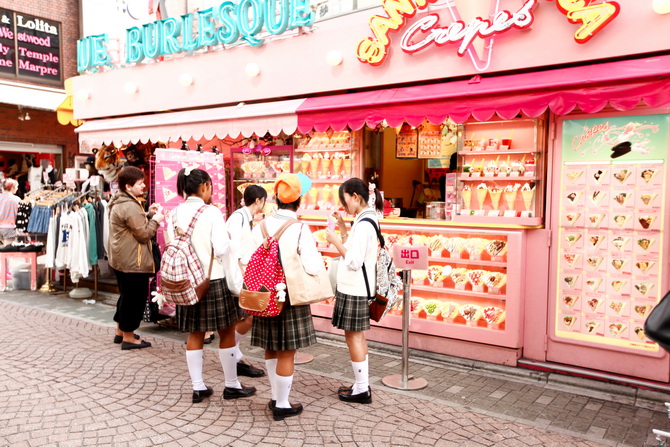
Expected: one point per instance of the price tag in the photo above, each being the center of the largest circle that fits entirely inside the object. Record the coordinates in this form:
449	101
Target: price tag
514	174
493	213
509	213
489	174
526	214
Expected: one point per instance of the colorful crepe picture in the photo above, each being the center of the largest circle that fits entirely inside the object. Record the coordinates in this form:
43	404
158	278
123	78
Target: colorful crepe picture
570	300
594	261
569	320
572	238
573	175
594	303
643	266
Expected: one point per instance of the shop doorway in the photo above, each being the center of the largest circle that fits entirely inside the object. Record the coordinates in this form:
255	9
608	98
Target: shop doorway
609	221
27	163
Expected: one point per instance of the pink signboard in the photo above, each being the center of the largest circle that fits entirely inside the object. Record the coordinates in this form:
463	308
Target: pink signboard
410	257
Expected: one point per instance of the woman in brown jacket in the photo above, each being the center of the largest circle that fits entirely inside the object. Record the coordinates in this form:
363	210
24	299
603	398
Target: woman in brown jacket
130	254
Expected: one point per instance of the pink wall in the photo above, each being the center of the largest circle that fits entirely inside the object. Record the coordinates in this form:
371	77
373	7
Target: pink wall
296	65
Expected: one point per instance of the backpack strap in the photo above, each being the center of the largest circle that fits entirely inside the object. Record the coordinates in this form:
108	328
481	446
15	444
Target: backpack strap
191	226
381	242
280	231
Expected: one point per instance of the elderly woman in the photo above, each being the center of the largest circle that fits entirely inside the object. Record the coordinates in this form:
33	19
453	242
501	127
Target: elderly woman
9	205
130	254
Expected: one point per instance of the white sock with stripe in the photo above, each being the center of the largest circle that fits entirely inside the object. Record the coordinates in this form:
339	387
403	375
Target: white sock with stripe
229	365
361	374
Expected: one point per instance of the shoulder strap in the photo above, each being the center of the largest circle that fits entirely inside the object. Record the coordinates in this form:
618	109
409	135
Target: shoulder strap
189	230
379	233
280	231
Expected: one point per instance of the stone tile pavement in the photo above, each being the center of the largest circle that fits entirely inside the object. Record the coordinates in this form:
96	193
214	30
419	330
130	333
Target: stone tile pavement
63	382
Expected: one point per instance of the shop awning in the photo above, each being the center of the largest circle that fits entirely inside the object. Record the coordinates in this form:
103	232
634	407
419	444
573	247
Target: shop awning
242	120
622	85
31	96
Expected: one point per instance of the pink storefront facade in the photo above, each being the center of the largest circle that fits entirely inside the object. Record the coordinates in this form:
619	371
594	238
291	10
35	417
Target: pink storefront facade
576	268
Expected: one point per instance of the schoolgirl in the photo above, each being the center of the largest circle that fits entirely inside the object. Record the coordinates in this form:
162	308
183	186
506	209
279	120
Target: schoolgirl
216	311
357	248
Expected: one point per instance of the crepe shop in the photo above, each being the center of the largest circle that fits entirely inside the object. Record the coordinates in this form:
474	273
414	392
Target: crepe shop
530	156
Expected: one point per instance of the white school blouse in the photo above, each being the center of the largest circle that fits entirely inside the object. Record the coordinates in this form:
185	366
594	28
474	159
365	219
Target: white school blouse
361	248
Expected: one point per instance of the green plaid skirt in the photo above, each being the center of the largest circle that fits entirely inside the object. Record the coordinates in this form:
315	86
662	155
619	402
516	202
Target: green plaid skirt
216	310
291	329
351	313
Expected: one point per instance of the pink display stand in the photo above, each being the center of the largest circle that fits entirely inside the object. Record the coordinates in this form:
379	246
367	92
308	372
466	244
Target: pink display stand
29	257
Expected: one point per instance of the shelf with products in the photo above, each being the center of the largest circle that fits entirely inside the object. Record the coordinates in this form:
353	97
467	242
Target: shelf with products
328	158
471	290
502	177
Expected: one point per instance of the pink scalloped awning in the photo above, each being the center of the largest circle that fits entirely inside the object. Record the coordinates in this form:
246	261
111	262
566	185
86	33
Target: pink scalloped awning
245	120
622	85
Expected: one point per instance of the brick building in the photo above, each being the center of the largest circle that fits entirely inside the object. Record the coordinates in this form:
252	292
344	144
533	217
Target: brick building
38	52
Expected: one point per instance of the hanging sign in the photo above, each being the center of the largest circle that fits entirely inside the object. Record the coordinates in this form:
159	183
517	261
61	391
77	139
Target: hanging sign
407	142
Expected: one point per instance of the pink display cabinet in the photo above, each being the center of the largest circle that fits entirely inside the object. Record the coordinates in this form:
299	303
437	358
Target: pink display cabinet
471	290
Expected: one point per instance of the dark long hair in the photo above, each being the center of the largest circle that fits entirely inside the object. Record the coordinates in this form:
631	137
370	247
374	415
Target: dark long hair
358	186
188	185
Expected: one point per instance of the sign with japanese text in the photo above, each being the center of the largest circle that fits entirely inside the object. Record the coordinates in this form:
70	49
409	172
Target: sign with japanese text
410	257
30	47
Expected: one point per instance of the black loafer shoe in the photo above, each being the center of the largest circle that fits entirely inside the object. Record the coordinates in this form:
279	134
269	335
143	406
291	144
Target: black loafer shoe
360	398
279	414
143	344
272	404
245	369
199	395
236	393
209	339
345	389
119	338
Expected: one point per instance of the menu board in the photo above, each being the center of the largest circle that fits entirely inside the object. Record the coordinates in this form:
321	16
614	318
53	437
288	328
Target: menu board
611	226
407	142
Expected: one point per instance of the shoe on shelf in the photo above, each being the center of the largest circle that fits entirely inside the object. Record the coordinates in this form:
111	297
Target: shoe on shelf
360	398
279	414
272	404
245	369
142	344
236	393
345	388
199	395
209	339
119	338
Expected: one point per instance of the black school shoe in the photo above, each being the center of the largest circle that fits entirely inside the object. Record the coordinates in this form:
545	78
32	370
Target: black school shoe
360	398
199	395
236	393
209	339
245	369
143	344
119	338
279	414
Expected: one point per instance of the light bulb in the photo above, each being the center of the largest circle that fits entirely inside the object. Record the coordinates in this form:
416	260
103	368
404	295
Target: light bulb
186	79
130	87
334	58
252	69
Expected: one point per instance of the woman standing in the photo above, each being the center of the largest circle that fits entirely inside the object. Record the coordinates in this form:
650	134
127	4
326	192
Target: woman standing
217	310
239	226
293	328
352	313
130	254
9	206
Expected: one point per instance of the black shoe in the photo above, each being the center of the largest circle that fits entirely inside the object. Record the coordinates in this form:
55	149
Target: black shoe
209	339
245	369
143	344
345	389
236	393
272	404
279	414
119	338
199	395
360	398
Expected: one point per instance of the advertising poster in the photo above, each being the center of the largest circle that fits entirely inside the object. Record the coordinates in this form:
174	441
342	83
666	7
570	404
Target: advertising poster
610	256
407	142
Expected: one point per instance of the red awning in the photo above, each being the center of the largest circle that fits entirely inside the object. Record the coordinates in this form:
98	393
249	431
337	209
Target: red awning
623	85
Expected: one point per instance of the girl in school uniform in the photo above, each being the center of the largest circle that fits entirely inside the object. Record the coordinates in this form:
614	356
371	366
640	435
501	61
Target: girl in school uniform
358	247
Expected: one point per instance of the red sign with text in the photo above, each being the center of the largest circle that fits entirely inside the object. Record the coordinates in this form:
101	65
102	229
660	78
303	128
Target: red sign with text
410	257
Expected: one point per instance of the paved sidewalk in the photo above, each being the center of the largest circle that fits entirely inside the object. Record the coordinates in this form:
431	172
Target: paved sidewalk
64	383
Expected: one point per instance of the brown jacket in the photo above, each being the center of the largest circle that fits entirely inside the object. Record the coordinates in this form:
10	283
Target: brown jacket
130	233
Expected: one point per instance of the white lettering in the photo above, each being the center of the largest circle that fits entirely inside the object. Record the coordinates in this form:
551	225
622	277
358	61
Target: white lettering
5	19
36	24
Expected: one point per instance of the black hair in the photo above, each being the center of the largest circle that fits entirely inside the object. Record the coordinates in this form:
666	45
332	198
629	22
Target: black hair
253	192
293	206
128	176
188	185
358	186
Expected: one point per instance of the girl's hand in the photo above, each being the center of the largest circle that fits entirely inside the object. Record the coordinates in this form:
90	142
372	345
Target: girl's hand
331	236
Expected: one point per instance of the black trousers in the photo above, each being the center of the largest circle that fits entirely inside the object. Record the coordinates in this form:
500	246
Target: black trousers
134	292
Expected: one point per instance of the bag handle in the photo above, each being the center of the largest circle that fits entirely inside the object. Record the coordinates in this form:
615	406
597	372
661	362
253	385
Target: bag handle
381	242
211	262
179	232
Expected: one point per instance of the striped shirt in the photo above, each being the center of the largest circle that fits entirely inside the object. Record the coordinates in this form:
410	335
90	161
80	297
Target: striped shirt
9	206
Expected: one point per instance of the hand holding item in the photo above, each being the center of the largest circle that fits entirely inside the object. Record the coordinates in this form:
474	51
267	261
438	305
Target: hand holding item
158	217
331	236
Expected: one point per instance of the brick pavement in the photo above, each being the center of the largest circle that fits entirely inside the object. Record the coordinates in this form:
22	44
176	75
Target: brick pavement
55	391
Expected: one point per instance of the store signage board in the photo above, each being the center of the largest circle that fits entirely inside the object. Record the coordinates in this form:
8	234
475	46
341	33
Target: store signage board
30	47
611	229
488	21
226	24
410	257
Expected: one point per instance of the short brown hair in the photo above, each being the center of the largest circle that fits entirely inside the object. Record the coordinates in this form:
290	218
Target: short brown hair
129	176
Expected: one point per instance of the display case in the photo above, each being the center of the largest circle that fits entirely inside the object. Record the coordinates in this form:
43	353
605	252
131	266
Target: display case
502	172
258	165
471	290
328	159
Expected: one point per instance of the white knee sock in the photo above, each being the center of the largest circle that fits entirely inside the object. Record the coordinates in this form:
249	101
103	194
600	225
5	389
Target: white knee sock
194	362
229	365
271	366
238	338
361	375
283	390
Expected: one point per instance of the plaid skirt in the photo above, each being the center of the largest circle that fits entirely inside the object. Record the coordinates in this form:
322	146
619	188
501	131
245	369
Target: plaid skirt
216	310
351	313
291	329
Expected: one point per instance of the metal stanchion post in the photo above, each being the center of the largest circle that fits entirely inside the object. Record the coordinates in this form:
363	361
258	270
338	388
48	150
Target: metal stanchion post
405	381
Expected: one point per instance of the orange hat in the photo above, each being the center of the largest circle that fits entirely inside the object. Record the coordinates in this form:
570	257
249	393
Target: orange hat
290	187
